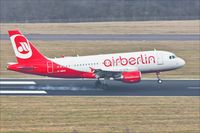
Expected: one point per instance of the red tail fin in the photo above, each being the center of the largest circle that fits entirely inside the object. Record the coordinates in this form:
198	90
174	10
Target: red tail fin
24	49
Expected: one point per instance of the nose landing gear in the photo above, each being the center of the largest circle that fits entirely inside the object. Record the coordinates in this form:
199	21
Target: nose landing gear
159	80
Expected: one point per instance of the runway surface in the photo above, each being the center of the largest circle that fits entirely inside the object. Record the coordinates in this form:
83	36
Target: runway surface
86	88
110	37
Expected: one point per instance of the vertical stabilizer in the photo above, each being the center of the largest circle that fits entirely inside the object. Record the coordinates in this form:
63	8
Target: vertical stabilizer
24	50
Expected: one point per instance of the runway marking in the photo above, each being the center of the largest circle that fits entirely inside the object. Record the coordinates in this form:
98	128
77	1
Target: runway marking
65	88
194	87
17	83
22	92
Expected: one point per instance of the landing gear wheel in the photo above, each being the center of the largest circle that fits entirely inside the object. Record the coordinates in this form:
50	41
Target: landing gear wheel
104	86
159	81
98	84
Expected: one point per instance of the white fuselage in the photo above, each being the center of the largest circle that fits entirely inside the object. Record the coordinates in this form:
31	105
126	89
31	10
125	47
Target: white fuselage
147	61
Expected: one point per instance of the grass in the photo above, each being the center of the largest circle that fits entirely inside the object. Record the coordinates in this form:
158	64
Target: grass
99	114
188	50
137	27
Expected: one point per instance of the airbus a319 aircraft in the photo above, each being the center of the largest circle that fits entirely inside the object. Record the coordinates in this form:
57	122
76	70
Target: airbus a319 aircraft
125	67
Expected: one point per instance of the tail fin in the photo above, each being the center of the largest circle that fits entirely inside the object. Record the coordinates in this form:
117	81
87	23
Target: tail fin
23	48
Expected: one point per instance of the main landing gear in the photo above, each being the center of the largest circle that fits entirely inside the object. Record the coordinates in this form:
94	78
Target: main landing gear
159	80
99	84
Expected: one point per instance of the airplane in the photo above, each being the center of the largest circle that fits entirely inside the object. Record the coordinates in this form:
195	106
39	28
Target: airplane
125	67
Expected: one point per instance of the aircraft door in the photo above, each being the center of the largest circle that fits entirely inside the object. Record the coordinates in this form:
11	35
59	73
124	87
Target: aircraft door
49	67
159	59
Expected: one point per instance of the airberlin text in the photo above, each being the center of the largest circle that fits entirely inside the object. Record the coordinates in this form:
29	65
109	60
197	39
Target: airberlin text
124	61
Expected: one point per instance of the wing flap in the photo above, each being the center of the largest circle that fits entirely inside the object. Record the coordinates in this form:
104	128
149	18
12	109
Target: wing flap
108	72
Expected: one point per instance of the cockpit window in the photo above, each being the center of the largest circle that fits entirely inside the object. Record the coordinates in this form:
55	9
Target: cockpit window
172	57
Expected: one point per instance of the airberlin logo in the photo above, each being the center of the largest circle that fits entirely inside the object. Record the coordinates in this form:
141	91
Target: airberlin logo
141	59
21	46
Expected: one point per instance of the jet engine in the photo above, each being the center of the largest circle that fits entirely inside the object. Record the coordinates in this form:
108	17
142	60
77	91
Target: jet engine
131	77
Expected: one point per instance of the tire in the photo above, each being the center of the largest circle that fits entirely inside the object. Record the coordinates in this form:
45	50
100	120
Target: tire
159	81
98	84
105	86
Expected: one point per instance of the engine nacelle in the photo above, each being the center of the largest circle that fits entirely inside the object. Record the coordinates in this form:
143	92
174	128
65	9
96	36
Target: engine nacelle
131	77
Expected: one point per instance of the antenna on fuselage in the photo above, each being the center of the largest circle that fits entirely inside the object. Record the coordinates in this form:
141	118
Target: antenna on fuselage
74	50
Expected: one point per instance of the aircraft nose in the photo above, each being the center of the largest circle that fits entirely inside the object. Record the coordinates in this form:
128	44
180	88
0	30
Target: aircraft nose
181	62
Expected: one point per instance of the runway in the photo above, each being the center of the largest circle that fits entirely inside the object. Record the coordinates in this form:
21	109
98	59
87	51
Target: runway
109	37
78	87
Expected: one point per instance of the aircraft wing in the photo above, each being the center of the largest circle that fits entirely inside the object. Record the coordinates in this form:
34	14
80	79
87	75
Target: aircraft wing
112	72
